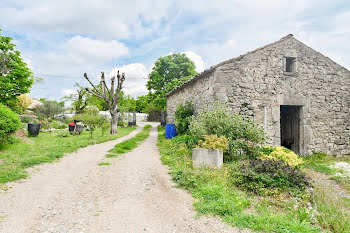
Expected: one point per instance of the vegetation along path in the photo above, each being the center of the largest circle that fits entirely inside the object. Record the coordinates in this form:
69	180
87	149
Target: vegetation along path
132	194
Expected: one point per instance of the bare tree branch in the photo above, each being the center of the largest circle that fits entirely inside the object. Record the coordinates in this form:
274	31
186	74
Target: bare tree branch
85	75
95	94
111	96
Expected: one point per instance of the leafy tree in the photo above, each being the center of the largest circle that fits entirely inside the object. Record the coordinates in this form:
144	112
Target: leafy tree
15	77
141	103
79	99
50	108
91	118
101	104
168	72
126	103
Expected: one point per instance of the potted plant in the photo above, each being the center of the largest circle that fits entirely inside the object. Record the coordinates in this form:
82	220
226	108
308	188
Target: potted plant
209	153
79	127
34	128
76	127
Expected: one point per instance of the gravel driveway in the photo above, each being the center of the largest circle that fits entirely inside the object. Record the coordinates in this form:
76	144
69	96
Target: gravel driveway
133	194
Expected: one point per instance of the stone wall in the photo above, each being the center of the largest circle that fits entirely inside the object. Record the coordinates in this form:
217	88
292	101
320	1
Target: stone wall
256	85
198	92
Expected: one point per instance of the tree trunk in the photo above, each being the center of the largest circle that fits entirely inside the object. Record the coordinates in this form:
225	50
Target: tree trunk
114	123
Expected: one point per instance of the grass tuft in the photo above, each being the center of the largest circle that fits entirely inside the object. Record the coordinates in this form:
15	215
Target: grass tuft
104	164
130	144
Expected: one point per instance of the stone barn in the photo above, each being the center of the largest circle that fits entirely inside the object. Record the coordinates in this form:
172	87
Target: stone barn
300	97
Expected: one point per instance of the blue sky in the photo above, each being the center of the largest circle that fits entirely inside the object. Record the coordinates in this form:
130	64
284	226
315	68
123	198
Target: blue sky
60	40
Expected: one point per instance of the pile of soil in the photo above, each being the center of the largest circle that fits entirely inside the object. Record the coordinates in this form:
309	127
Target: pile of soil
21	133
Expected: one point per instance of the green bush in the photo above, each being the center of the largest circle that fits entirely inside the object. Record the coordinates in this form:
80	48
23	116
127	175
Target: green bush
9	122
58	125
268	177
183	114
26	119
242	134
189	140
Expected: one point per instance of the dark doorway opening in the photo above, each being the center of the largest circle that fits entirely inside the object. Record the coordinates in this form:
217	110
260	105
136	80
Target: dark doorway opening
290	127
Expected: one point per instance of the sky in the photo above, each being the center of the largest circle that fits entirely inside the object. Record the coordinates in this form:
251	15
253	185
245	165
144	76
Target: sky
60	40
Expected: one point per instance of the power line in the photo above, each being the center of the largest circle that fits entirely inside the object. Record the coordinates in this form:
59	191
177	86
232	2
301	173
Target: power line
65	76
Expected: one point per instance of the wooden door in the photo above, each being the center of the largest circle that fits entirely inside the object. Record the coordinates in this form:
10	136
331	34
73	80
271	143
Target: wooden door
290	127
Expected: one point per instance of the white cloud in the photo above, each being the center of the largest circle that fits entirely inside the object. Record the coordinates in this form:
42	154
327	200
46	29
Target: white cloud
104	19
67	92
88	48
77	56
135	78
197	59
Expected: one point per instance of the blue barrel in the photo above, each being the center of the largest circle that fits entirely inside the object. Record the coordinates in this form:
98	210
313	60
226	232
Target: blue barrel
170	131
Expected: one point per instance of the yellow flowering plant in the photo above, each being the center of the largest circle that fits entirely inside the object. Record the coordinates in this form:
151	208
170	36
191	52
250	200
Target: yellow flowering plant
214	142
283	154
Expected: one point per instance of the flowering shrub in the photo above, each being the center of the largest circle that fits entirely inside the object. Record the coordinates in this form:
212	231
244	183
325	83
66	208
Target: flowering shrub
242	134
214	142
268	177
282	154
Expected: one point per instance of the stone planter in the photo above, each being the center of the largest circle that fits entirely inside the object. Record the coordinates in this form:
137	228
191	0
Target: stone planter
203	157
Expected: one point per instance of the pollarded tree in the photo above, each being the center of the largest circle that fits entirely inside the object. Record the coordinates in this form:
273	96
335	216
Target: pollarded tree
15	77
110	96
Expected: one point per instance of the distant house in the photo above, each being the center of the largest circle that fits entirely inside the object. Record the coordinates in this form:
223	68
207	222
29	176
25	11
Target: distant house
299	96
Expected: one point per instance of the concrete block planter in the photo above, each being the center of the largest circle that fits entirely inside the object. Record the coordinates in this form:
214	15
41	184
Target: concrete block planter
203	157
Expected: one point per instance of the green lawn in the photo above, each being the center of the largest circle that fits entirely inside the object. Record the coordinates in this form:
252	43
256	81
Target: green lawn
46	147
130	144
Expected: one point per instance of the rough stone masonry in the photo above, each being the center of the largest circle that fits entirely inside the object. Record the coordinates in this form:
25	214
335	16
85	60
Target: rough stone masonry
300	97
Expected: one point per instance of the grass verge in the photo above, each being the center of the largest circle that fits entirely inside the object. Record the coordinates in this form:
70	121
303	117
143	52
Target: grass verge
323	163
46	147
215	195
332	213
130	144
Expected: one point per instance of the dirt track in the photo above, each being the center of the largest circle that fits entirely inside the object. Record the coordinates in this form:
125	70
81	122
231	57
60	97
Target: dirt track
133	194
